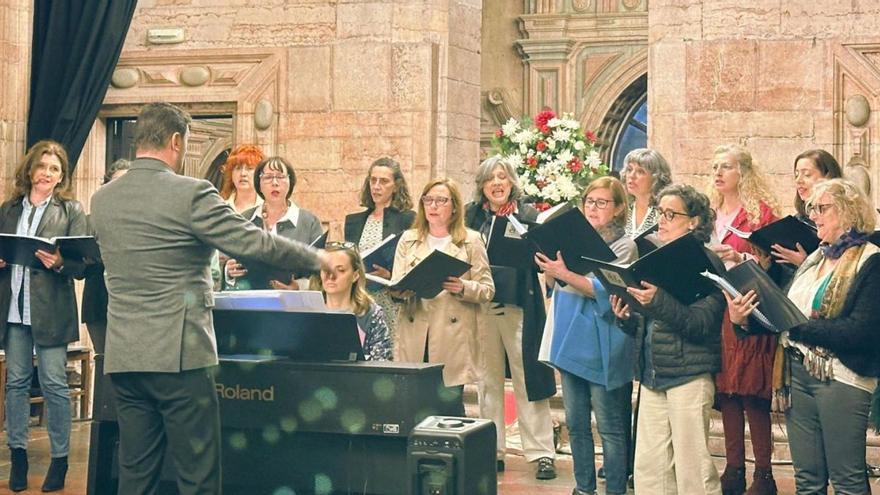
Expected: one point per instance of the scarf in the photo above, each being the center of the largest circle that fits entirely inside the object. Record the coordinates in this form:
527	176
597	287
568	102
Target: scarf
506	208
846	241
827	303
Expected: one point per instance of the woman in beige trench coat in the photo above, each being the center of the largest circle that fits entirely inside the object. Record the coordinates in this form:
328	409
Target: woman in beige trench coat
443	329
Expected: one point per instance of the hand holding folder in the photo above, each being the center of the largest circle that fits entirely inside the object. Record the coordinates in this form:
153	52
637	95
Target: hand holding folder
776	312
675	267
427	277
21	249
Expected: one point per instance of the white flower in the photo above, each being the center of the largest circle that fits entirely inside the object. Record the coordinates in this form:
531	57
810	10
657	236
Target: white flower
510	128
565	156
554	122
530	189
561	135
515	160
523	148
570	123
551	144
579	145
593	159
567	188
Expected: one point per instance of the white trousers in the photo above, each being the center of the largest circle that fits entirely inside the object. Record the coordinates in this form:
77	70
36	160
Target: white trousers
503	334
672	451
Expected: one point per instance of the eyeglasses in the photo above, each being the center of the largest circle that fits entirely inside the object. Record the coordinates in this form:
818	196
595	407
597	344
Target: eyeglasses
670	215
436	200
819	208
339	245
270	178
598	203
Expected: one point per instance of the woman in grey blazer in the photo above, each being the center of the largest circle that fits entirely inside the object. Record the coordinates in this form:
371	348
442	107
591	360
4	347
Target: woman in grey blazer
39	305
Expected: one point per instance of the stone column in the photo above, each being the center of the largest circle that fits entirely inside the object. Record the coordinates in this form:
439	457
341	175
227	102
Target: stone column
15	41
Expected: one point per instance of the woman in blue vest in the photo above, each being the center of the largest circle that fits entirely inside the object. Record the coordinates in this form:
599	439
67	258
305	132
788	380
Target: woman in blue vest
593	356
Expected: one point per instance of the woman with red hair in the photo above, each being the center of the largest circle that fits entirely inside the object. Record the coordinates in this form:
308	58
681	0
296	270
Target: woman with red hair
238	177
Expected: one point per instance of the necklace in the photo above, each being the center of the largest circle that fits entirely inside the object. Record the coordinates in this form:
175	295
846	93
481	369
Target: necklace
265	215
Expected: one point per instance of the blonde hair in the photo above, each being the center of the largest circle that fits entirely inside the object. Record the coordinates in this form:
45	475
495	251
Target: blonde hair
456	222
853	205
618	192
752	188
360	298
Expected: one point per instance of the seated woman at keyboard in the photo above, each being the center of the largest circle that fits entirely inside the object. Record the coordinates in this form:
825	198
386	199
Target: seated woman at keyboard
344	289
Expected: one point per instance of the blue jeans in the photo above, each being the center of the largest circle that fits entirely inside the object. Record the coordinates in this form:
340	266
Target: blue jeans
52	369
581	398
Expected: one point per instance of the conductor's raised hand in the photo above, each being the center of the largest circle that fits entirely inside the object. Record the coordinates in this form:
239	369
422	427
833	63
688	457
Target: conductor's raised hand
620	308
324	260
645	295
2	264
741	307
50	259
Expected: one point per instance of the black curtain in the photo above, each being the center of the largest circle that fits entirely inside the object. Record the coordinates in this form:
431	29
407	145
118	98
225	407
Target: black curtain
75	48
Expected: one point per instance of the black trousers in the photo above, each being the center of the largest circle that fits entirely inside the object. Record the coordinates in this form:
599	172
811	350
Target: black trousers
176	410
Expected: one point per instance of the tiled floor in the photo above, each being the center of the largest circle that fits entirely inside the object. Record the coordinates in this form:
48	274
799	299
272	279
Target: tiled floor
518	479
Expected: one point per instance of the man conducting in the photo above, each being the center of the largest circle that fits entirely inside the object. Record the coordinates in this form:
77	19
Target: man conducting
157	231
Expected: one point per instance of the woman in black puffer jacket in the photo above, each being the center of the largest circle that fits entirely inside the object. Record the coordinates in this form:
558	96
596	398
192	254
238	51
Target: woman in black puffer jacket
678	351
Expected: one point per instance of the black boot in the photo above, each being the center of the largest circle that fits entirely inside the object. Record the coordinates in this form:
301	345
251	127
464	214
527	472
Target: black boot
18	471
55	477
733	481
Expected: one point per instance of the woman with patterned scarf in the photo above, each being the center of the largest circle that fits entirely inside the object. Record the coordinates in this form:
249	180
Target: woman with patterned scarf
831	362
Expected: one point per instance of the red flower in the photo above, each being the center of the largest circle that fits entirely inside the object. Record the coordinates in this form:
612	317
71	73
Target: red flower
591	136
575	165
499	133
541	183
542	118
541	146
532	161
545	129
542	206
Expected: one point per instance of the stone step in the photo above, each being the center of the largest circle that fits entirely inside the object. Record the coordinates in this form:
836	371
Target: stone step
781	452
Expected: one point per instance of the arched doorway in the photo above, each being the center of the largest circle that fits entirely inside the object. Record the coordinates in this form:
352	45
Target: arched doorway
625	126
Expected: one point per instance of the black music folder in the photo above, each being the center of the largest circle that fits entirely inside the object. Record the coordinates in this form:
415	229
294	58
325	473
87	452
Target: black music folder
786	232
506	246
259	274
874	237
775	312
320	242
675	267
647	241
571	234
426	278
382	254
21	249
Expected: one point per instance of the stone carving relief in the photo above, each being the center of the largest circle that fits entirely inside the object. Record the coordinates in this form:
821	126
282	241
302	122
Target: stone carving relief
855	90
580	5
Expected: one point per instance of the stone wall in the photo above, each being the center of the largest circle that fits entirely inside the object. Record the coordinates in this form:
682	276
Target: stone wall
15	42
774	76
347	82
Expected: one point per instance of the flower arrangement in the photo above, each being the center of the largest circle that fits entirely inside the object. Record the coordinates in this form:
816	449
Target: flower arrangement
554	157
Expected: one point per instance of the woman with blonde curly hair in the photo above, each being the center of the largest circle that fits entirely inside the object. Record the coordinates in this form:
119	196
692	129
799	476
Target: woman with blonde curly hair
742	200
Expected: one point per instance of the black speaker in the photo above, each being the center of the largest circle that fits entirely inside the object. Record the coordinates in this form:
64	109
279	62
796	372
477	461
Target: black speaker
452	456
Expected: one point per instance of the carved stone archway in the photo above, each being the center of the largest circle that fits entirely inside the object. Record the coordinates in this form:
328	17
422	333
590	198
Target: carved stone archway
246	83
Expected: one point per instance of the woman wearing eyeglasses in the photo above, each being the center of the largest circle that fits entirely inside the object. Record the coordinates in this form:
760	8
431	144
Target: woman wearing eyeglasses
593	356
678	349
831	362
279	215
239	189
444	329
645	173
386	198
742	200
344	290
513	330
